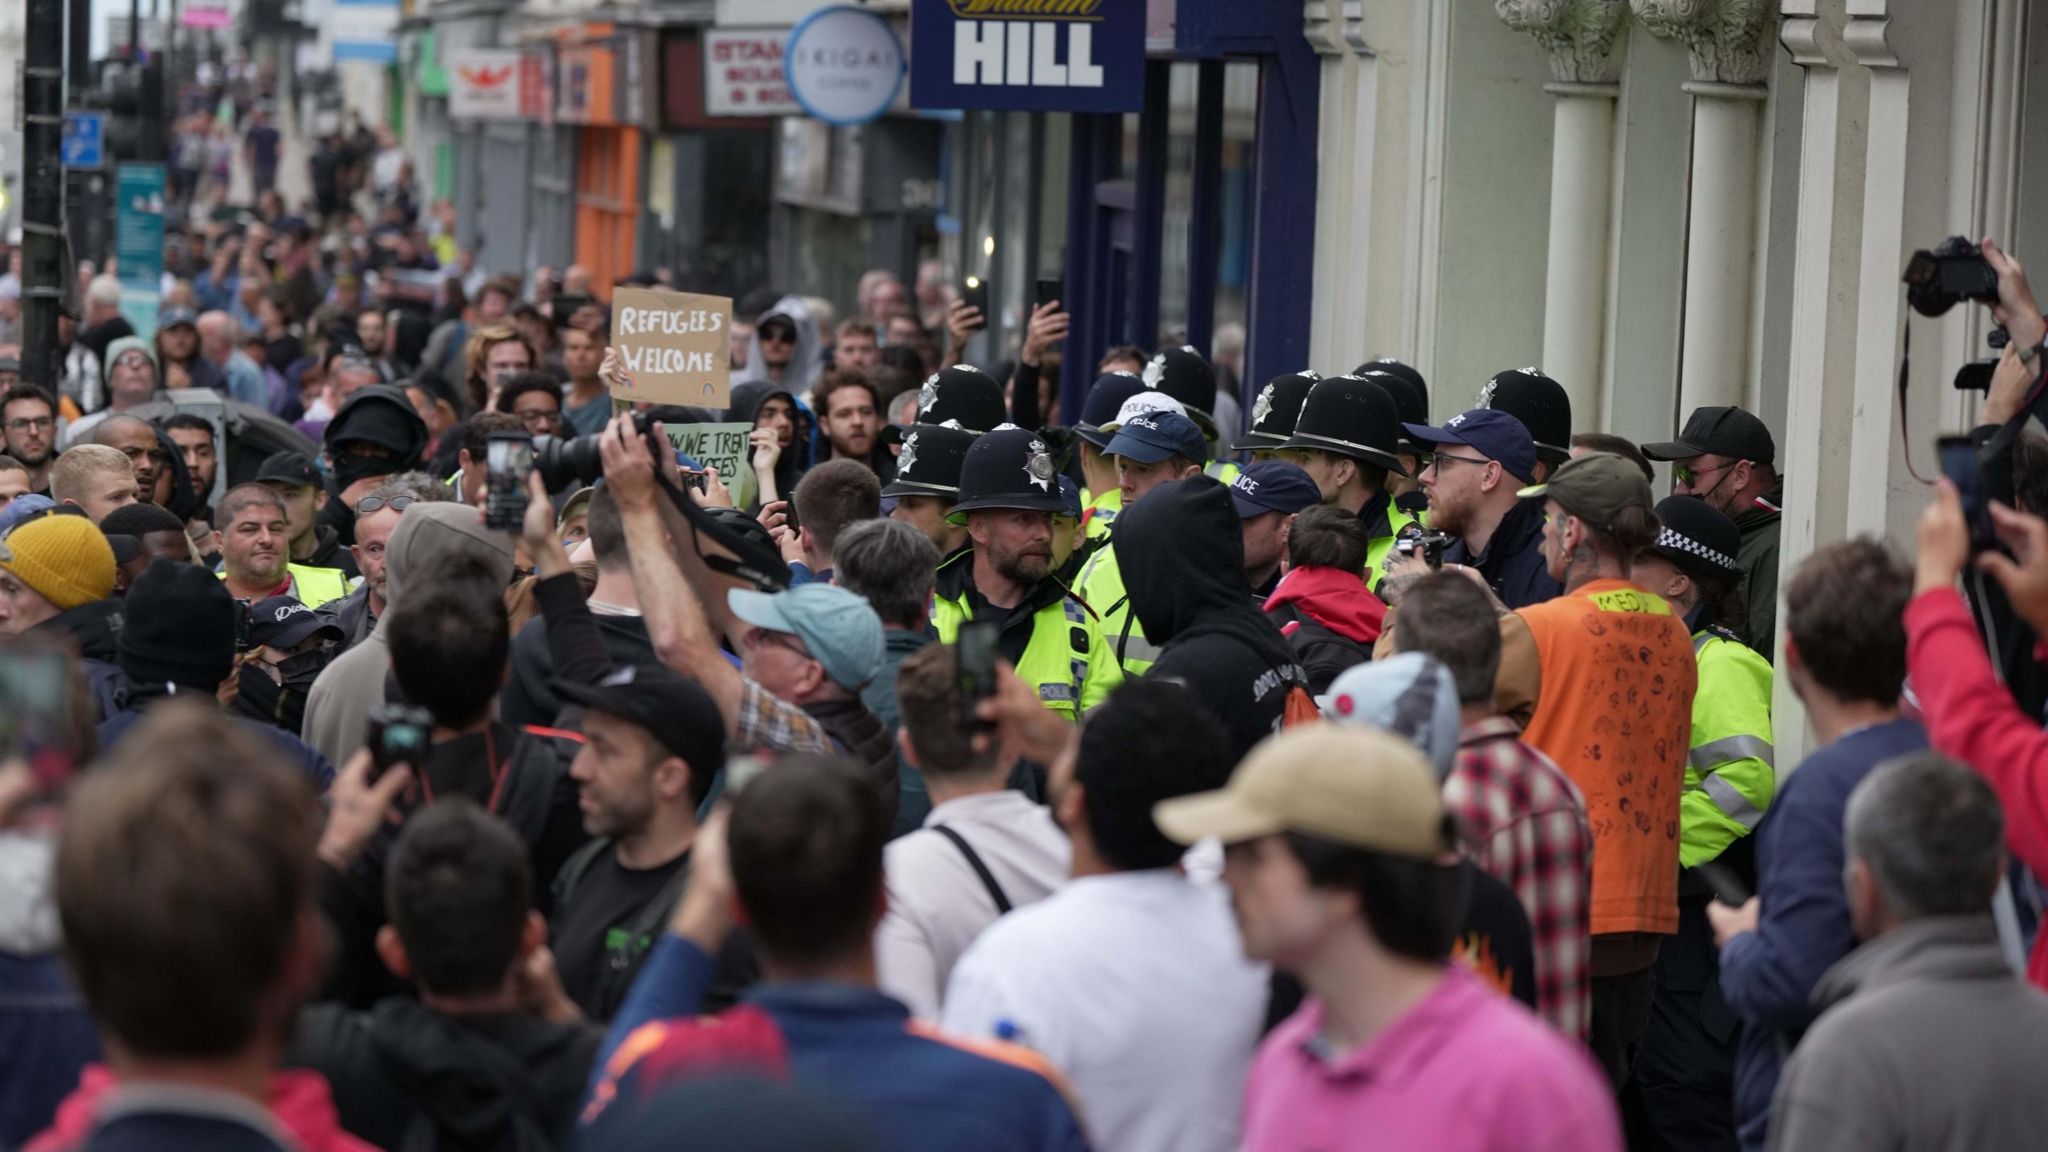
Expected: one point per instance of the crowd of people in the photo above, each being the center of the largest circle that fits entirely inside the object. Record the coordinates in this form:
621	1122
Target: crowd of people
1257	765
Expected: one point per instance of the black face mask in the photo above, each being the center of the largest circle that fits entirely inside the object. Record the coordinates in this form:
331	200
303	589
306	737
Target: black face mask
282	704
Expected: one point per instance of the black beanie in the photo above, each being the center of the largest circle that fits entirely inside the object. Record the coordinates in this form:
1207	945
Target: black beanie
380	414
178	627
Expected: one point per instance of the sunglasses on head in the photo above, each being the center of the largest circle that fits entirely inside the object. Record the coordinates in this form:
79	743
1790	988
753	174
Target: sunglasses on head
371	504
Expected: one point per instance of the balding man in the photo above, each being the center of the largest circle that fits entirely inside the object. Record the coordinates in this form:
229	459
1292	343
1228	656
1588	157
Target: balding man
220	340
137	442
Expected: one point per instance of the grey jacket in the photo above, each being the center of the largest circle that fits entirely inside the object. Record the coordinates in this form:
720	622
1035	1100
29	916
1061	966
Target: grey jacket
1939	1045
338	707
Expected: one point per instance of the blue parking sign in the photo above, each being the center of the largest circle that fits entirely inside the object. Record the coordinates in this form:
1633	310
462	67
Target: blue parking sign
85	140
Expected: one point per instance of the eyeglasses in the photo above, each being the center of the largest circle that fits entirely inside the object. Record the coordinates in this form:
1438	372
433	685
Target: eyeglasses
30	423
370	504
1686	474
133	360
1437	460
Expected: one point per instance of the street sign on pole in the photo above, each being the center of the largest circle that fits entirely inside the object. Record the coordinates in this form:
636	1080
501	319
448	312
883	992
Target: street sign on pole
85	139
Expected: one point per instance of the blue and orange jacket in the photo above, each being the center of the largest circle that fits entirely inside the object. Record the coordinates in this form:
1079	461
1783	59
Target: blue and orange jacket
926	1091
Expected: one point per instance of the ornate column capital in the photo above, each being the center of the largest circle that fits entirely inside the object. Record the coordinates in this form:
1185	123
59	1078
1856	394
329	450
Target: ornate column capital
1729	40
1585	38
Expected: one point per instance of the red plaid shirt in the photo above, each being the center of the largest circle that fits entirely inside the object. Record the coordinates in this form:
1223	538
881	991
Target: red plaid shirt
1524	822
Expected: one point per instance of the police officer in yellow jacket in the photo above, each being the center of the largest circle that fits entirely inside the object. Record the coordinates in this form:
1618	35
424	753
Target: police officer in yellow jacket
1347	440
1099	415
1686	1067
1009	492
1150	449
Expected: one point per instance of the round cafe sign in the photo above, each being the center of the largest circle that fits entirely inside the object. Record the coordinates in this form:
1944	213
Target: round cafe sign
844	65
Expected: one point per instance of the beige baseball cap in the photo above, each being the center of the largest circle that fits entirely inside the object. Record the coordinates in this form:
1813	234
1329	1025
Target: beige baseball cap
1359	787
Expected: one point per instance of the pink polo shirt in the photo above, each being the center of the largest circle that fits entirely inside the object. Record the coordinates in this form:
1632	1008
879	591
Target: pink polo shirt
1465	1070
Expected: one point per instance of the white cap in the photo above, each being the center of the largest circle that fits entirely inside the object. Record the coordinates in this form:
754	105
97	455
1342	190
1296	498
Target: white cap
1150	400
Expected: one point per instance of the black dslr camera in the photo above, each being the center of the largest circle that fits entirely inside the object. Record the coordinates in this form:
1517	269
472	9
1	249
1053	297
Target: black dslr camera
575	462
1413	540
1954	271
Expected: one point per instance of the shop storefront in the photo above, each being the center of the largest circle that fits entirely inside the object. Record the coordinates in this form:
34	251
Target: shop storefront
603	81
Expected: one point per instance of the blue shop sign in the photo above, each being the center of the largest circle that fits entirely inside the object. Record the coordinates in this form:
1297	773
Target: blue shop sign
1028	55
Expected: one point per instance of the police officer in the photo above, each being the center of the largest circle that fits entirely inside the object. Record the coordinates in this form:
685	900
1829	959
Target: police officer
927	483
1150	449
1411	397
1685	1072
1542	406
1100	499
1009	493
963	396
1182	374
1347	440
1274	411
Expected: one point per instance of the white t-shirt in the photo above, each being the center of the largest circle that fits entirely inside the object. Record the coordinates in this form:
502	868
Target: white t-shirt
937	905
1135	985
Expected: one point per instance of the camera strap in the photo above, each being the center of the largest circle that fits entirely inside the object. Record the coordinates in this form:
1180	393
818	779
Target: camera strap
1905	360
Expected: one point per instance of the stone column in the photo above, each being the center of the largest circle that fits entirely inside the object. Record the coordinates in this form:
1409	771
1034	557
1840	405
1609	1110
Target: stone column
1730	49
1585	39
1345	143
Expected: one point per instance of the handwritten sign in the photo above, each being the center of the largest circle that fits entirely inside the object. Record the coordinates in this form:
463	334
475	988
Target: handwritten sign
720	446
675	347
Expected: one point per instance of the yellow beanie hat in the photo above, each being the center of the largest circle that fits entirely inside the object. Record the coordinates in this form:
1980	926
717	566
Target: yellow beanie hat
64	559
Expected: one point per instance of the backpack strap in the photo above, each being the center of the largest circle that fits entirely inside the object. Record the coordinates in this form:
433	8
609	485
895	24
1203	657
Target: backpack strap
573	869
988	878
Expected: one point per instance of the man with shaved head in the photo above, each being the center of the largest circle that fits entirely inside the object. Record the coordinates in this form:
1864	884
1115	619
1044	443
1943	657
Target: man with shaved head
135	439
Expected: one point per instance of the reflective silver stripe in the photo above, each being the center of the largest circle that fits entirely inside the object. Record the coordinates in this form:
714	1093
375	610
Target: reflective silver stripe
1732	804
1701	641
1715	753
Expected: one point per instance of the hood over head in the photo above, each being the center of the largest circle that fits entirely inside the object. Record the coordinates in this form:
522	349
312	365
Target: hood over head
469	1078
428	533
1181	552
804	364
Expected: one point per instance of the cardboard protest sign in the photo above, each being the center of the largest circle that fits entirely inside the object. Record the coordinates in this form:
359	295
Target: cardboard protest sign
720	446
674	347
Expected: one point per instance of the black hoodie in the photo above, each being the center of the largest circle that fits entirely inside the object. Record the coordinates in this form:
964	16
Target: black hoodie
1181	552
747	400
95	628
403	1069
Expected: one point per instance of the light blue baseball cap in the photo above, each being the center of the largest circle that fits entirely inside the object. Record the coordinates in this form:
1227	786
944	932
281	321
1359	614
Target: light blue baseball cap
837	627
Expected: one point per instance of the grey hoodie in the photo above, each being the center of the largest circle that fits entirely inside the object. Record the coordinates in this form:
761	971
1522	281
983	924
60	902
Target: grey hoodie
338	708
804	364
1928	1040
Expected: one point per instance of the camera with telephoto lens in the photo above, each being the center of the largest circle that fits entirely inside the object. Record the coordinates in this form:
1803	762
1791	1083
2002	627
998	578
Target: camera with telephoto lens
1954	271
1414	540
575	463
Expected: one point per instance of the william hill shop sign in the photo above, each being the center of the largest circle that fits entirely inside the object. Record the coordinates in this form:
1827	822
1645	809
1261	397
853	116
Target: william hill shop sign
1028	55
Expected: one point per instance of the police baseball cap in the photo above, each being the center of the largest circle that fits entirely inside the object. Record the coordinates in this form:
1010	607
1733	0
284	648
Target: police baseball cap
1275	409
1182	374
1273	486
1540	403
1360	787
1719	431
673	708
963	395
1070	498
929	464
1008	467
283	622
1352	417
293	468
1698	538
1597	488
1143	402
1495	435
1150	437
1105	399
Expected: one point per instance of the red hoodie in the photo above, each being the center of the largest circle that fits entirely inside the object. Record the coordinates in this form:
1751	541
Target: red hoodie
300	1100
1334	598
1971	717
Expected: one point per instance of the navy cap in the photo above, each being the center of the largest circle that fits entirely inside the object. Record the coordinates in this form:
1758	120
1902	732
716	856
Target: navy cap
1105	398
1154	436
283	622
1496	434
1273	486
1070	496
293	468
176	318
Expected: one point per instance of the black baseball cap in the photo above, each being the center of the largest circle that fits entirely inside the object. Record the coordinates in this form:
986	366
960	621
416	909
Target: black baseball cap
1720	431
293	468
674	709
283	622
